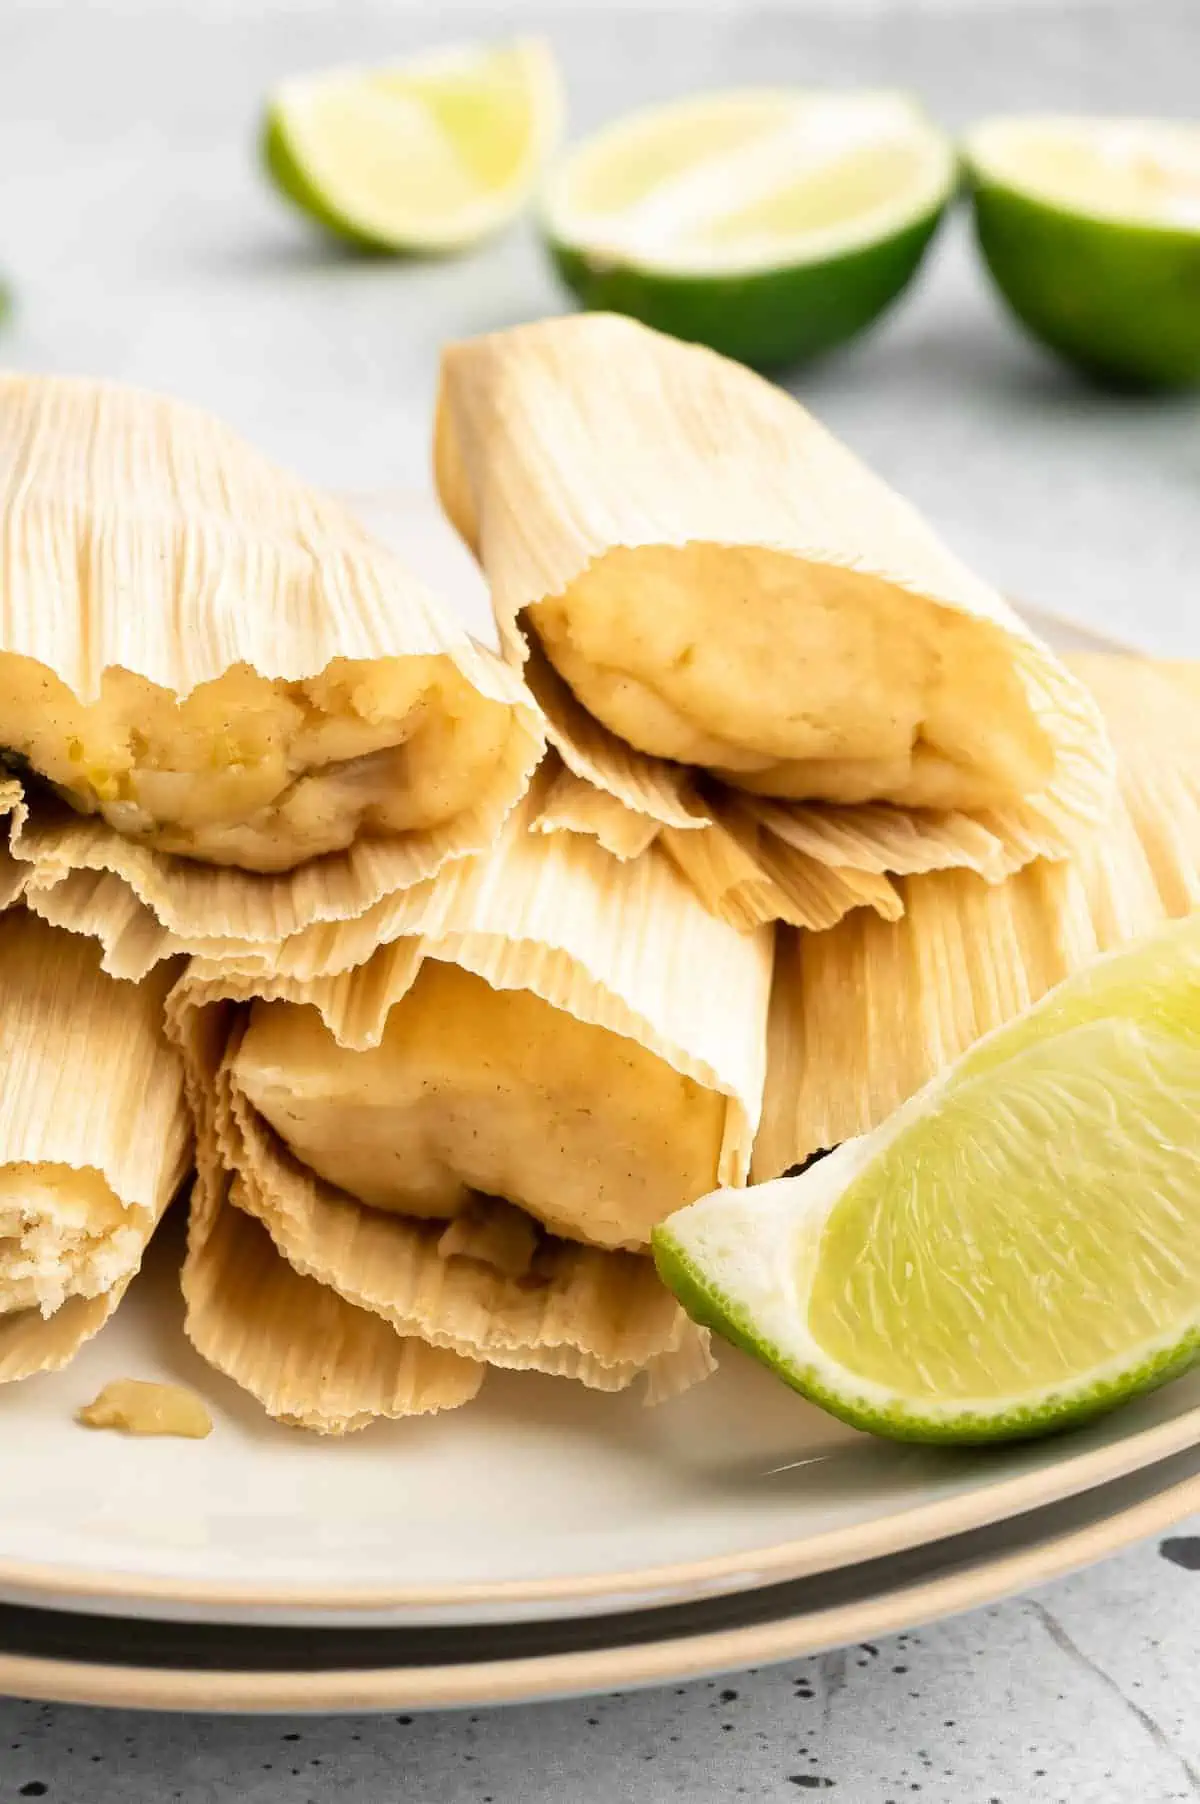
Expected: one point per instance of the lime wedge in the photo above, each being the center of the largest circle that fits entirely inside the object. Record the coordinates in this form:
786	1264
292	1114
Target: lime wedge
1091	229
769	224
1016	1249
426	155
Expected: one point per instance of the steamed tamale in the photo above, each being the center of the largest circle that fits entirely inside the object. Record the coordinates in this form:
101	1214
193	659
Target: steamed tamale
473	1092
94	1138
213	665
864	1015
461	1114
737	630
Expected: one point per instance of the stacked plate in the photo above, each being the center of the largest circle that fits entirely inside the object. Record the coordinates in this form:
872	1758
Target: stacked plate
547	1540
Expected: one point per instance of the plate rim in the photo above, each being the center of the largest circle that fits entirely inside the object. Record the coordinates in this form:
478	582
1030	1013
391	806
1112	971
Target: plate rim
744	1570
622	1668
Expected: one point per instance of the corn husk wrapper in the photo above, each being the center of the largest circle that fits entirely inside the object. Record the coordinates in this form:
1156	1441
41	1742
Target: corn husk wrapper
622	945
311	1358
748	876
94	1139
139	533
572	805
558	442
862	1016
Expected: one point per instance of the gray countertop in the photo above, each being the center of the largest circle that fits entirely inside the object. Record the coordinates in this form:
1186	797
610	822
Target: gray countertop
143	245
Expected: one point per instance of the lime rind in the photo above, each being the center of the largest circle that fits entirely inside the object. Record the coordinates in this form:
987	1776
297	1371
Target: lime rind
1112	300
1114	293
768	299
767	320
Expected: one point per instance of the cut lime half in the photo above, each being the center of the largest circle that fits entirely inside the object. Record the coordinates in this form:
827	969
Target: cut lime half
426	155
1091	229
771	224
1016	1249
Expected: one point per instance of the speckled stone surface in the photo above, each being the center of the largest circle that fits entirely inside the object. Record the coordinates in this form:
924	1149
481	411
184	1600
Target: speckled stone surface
1085	1693
143	245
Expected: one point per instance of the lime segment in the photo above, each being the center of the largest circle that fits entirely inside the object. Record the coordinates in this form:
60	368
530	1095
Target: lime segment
770	224
1016	1249
427	155
1091	229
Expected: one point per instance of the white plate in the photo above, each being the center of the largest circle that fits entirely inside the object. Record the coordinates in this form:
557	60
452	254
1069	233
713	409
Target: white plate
540	1500
150	1665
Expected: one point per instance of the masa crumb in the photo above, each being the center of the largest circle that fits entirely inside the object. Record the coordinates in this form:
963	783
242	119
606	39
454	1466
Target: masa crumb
137	1406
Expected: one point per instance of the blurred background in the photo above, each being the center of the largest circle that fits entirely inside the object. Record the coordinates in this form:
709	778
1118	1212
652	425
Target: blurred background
142	241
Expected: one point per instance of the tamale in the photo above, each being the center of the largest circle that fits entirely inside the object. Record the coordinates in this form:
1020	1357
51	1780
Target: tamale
474	1091
729	620
864	1015
467	1129
94	1138
244	707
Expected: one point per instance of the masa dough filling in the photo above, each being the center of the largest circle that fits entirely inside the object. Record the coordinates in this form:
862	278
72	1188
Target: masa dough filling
796	679
254	772
63	1233
477	1091
142	1406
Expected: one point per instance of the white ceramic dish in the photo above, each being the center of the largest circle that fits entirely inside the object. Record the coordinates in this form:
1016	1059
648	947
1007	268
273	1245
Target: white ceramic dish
542	1500
82	1659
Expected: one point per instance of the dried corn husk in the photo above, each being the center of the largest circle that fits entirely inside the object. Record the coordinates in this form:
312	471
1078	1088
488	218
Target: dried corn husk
623	946
747	875
560	443
94	1139
862	1016
140	535
571	805
310	1357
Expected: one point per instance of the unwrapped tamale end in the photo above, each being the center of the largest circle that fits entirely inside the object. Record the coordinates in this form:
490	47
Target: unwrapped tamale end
94	1138
258	716
669	547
